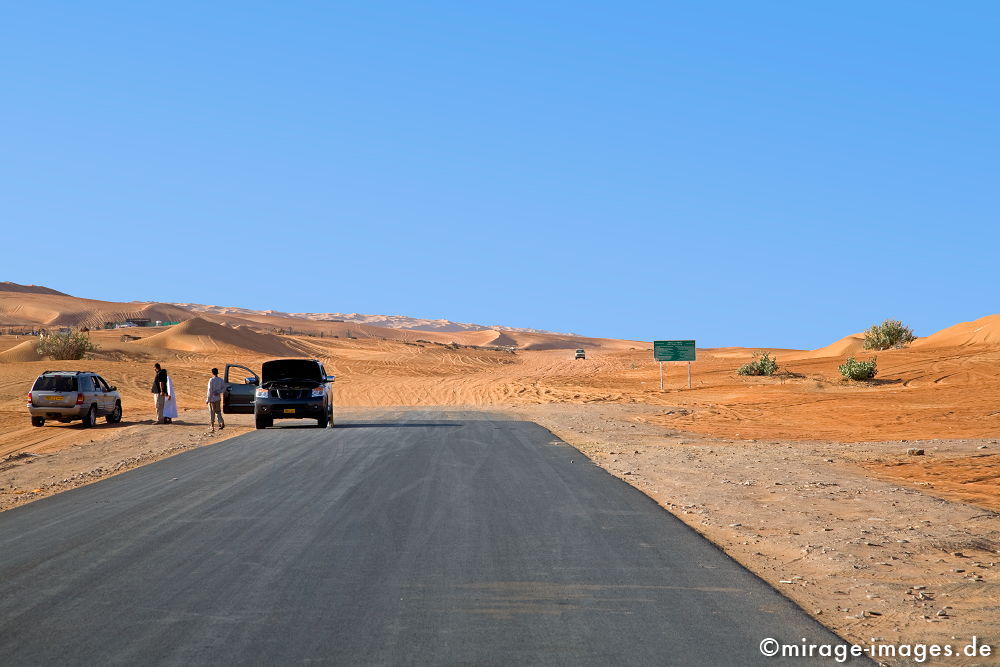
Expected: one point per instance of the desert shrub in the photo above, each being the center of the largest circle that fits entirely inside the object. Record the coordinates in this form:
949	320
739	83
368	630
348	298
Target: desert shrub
72	345
889	334
763	364
858	370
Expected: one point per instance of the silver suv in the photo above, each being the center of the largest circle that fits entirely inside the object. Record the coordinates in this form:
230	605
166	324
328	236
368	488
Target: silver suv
69	395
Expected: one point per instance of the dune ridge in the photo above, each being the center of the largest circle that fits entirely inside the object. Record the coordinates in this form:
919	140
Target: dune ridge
26	351
984	331
848	345
202	336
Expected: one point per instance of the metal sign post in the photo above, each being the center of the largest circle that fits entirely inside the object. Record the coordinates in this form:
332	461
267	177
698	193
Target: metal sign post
674	350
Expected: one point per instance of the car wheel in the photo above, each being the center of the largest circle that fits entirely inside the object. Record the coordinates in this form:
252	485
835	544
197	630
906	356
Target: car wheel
91	418
116	414
38	421
262	422
323	421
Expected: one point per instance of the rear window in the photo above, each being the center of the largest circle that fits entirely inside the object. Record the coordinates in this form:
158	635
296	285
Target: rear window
55	383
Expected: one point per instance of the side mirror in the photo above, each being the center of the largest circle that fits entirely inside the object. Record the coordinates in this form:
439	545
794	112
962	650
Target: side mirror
113	388
249	380
331	378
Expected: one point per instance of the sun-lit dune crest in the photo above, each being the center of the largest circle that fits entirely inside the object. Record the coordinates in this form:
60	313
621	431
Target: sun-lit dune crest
852	344
984	331
7	286
198	335
503	339
26	351
35	306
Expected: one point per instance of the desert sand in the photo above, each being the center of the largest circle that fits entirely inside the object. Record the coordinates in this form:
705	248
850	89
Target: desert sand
762	466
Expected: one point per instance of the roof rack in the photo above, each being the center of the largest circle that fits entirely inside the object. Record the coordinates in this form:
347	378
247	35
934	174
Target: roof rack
66	372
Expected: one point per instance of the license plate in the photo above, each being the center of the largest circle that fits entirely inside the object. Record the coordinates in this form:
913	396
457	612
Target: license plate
54	398
289	411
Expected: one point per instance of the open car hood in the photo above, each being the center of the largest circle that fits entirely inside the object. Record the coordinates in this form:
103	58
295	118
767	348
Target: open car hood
290	369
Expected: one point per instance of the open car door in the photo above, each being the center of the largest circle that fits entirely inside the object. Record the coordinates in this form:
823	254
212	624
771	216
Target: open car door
240	389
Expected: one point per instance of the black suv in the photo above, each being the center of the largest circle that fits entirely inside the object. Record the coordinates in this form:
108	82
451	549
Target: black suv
285	389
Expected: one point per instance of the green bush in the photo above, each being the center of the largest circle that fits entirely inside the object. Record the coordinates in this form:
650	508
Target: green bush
858	370
889	334
763	364
72	345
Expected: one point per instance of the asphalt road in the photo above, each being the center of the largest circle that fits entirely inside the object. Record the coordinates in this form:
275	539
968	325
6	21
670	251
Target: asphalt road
407	537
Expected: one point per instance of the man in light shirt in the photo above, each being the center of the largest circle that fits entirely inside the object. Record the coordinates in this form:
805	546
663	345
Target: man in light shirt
214	399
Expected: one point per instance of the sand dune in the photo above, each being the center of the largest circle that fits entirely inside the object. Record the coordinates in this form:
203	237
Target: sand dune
7	286
198	335
848	345
41	307
984	331
26	351
381	321
47	310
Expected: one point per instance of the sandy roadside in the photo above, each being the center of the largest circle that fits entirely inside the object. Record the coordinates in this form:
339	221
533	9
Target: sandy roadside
33	473
870	559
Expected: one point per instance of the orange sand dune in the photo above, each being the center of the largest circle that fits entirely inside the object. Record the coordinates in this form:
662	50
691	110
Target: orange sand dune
46	310
40	307
25	351
198	335
984	331
845	347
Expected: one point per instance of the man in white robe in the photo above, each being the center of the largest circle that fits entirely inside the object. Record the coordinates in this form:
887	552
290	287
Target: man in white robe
170	404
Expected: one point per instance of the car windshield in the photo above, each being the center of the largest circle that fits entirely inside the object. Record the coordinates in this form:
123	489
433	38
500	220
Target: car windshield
55	383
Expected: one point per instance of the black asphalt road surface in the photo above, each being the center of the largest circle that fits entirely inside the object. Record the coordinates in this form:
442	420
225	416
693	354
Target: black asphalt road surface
398	537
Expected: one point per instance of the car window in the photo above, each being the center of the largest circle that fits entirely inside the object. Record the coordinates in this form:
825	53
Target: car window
86	384
55	383
100	384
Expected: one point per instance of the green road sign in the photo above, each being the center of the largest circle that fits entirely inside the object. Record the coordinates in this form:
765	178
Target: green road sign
673	350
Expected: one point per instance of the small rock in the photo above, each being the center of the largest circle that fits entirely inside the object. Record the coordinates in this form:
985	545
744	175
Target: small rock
914	451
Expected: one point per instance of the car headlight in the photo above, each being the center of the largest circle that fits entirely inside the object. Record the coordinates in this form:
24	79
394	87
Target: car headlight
262	393
318	392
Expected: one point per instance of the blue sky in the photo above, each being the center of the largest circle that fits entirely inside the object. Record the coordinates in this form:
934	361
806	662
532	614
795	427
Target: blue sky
754	173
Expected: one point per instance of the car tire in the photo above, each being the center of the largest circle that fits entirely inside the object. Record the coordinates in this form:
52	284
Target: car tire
90	419
262	422
38	421
116	414
323	421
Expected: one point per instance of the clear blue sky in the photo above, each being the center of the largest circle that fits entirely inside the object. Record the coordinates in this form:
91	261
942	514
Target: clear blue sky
744	173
